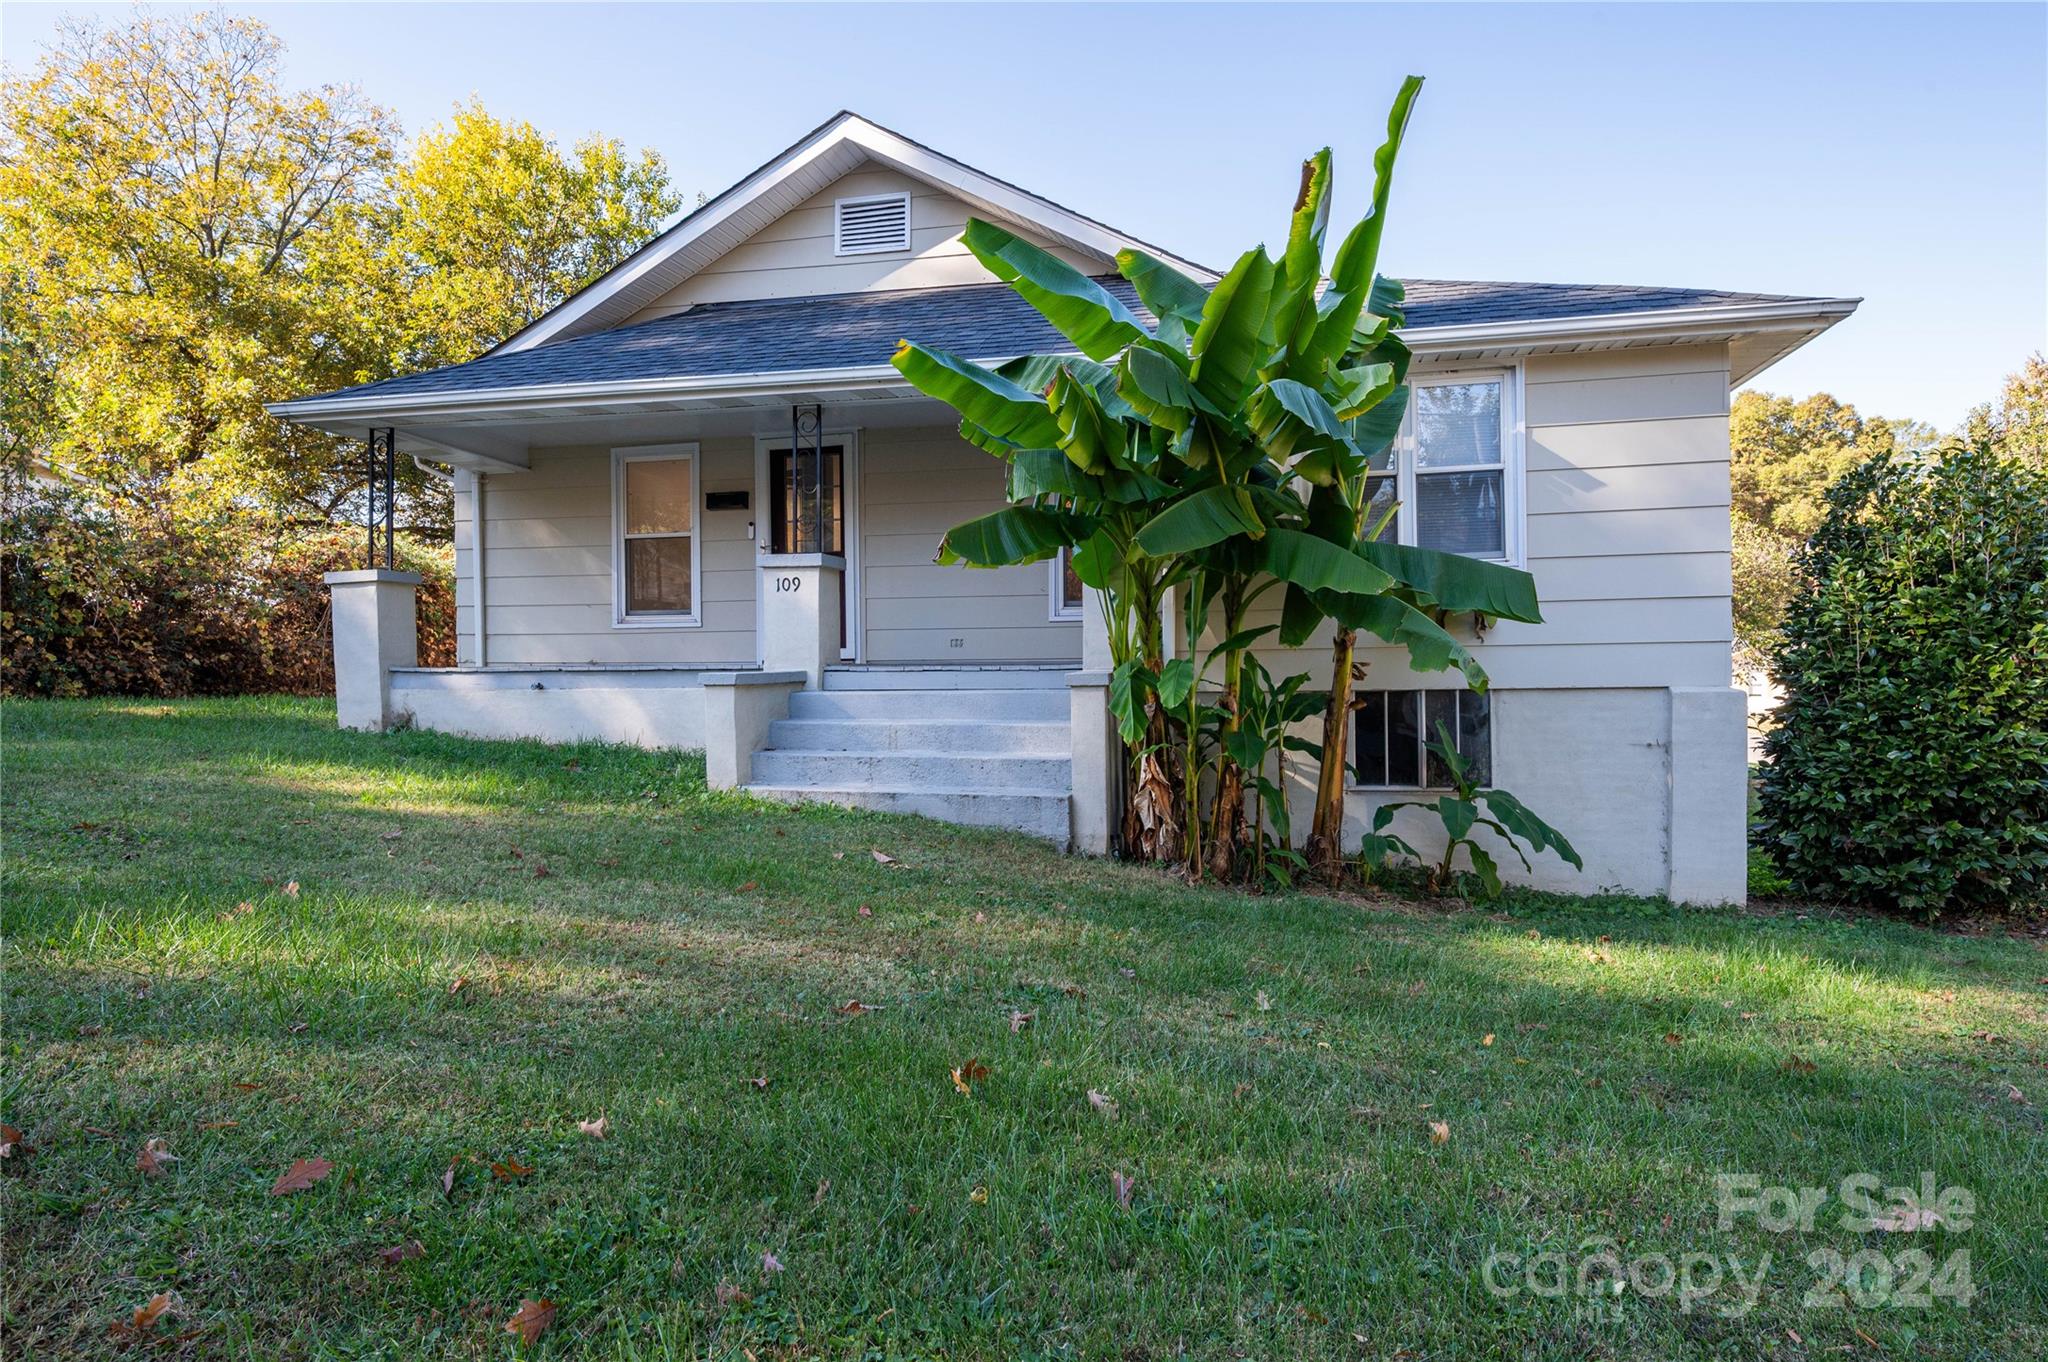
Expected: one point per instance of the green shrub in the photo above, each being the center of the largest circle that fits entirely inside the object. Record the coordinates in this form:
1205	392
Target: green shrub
1909	767
93	603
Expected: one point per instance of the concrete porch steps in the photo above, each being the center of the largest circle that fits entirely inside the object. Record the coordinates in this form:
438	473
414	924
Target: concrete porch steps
998	756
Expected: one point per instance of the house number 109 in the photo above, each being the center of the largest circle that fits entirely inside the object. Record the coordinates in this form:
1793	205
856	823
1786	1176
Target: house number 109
789	583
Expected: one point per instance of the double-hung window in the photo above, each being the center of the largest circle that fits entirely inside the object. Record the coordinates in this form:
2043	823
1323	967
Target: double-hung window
655	549
1446	481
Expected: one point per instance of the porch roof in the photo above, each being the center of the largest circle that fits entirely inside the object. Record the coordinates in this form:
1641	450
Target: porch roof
859	332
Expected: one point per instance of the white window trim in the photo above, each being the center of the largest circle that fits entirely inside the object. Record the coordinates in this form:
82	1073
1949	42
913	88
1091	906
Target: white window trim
856	200
643	453
1057	610
1513	465
1351	781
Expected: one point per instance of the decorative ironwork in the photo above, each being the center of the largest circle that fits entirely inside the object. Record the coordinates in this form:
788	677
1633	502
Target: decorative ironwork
807	480
380	452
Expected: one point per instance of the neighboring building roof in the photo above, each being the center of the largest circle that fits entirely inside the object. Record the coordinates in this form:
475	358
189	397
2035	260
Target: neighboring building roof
979	321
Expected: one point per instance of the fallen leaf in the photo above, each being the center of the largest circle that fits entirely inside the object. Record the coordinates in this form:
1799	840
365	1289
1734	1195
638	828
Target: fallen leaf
1908	1217
838	855
1415	989
1127	972
218	1125
750	886
1486	1039
728	1294
979	1196
596	1130
1439	1132
398	1253
12	1145
302	1174
824	1186
760	1082
296	1027
155	1154
461	982
866	911
1020	1020
2013	1094
541	872
981	917
90	1031
142	1321
853	1007
531	1320
1799	1064
248	1087
1121	1187
448	1178
1264	1001
967	1075
392	835
770	1264
1105	1104
509	1169
291	890
883	858
1673	1038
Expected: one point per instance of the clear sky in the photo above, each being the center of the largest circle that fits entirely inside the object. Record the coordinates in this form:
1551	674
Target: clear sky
1894	152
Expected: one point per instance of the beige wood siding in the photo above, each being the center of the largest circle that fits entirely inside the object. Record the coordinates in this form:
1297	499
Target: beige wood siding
548	566
914	486
1625	498
793	257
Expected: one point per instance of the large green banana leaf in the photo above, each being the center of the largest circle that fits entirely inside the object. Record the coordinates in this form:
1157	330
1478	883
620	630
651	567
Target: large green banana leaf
1301	264
1451	581
1235	334
1318	565
981	396
1016	534
1196	521
1173	298
1091	438
1351	273
1296	425
1078	307
1430	647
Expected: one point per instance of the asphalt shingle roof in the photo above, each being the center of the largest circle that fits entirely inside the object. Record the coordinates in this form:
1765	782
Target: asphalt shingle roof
981	321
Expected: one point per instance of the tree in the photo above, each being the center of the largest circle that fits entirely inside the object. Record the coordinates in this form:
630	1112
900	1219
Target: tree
1786	452
2017	422
1909	766
165	206
1168	456
490	224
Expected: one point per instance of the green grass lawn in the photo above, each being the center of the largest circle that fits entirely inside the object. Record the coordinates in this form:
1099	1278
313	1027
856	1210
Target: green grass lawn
232	929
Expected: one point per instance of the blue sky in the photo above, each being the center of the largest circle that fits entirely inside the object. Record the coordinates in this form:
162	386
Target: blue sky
1894	152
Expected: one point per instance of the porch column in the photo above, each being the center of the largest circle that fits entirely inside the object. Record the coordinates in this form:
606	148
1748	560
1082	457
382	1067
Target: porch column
800	613
376	628
1097	751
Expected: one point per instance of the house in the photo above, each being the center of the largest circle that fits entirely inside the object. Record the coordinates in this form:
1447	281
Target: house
696	507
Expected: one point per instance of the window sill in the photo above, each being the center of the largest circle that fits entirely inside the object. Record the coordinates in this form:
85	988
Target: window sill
658	622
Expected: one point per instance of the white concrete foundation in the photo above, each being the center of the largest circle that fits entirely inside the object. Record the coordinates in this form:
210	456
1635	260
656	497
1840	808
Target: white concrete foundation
645	706
800	613
1097	762
376	628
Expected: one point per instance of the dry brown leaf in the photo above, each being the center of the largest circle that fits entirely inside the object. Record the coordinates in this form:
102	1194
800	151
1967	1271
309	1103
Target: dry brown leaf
296	1027
291	890
219	1125
155	1154
541	872
1121	1187
448	1178
90	1031
509	1169
853	1007
139	1324
1673	1038
980	918
750	886
1486	1039
461	982
596	1130
1799	1064
531	1320
1105	1104
398	1253
865	911
824	1186
1264	1000
760	1082
1020	1020
1439	1132
770	1264
883	857
967	1075
978	1195
248	1087
302	1174
12	1145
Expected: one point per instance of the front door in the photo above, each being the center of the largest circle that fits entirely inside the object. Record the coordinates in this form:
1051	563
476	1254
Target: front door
805	500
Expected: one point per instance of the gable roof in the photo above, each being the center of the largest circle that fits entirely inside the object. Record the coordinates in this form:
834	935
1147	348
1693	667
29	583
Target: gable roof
839	145
859	331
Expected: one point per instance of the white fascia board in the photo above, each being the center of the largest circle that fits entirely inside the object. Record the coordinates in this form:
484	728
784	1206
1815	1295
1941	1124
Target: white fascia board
1668	323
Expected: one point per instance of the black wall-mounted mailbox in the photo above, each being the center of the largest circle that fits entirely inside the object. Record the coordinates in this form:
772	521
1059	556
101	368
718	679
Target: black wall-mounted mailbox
725	501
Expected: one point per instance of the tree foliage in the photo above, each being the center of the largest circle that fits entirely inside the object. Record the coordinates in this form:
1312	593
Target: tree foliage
184	238
1910	763
2016	423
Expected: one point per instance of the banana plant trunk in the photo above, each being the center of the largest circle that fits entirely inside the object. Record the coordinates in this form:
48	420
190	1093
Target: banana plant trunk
1325	850
1152	828
1226	833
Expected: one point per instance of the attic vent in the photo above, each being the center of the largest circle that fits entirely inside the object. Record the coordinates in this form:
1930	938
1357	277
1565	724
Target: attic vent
871	224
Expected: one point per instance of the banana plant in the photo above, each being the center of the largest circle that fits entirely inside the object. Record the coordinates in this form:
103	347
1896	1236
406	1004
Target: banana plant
1460	813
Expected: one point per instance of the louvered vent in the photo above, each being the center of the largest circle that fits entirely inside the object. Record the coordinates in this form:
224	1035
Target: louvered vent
871	224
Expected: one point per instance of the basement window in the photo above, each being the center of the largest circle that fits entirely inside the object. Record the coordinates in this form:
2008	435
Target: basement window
655	548
1391	731
871	224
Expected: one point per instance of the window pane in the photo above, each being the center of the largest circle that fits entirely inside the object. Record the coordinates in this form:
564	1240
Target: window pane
658	496
1475	735
808	519
1404	737
1070	582
1382	501
658	576
1439	707
1457	424
1369	738
1459	513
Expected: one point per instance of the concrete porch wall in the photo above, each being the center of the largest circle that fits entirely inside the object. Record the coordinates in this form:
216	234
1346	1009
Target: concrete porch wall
648	706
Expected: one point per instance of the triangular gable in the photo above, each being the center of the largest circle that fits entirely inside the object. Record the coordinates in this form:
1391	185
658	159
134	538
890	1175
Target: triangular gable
839	147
